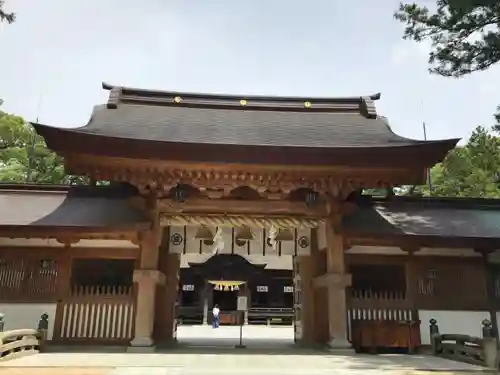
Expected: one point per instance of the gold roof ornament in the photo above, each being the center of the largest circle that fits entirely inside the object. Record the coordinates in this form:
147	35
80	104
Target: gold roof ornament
243	102
177	99
307	104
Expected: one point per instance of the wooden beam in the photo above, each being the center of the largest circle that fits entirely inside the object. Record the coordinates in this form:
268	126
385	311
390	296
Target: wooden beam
242	207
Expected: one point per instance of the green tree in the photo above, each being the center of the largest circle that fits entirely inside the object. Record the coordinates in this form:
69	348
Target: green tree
24	157
465	35
6	16
468	171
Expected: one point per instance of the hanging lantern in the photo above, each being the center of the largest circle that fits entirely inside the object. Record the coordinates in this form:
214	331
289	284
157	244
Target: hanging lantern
204	233
243	235
285	235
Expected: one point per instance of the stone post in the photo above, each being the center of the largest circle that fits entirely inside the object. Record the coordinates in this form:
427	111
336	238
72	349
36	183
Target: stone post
487	329
434	335
43	329
490	352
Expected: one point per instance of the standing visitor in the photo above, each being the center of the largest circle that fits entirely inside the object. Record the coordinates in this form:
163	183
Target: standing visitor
216	316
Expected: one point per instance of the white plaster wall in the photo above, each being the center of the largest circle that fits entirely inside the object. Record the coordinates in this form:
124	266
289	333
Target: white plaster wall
461	322
498	320
34	242
27	315
376	250
447	252
393	250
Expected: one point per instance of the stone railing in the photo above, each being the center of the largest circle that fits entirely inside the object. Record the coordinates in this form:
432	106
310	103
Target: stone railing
482	351
20	342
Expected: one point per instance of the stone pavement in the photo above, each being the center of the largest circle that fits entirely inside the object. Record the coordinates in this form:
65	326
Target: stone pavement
268	353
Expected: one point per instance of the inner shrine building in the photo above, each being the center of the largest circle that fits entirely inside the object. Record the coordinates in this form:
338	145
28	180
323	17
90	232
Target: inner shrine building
243	195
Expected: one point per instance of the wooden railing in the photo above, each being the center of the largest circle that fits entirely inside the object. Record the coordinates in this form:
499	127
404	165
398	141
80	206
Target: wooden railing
20	342
96	314
271	315
382	319
482	351
28	280
189	314
385	305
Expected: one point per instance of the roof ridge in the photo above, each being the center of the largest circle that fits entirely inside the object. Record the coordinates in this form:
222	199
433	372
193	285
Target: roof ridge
363	105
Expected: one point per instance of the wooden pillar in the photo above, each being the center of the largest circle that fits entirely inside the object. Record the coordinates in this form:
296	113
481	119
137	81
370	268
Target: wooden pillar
336	280
63	287
147	277
170	295
411	295
205	303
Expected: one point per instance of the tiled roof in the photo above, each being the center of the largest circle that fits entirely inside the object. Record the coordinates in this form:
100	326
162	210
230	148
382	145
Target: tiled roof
67	207
447	218
240	128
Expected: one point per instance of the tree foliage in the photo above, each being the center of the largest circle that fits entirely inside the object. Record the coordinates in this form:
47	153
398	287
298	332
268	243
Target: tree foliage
465	35
24	157
4	15
468	171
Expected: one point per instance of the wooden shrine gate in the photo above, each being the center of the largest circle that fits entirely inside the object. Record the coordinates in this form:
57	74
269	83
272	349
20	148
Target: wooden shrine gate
96	315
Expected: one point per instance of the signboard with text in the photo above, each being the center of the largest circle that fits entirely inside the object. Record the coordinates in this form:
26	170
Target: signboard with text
242	303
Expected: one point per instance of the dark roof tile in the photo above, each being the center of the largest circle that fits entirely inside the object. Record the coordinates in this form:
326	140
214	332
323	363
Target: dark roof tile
70	208
459	218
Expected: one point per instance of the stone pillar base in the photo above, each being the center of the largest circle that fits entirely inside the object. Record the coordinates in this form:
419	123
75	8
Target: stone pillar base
141	349
141	345
340	346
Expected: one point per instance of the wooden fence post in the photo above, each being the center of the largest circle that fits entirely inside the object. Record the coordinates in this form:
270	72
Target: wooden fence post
434	334
43	328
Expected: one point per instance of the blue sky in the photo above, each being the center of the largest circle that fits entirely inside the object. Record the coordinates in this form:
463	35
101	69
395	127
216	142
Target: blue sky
61	51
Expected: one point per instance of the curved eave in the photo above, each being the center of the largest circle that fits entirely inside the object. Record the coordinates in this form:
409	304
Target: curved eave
416	154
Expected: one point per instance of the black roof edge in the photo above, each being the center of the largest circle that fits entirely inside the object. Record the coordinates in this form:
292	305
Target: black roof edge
121	190
147	92
437	202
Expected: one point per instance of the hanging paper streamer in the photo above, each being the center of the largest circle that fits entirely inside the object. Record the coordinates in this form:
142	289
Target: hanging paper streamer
273	232
218	241
226	286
